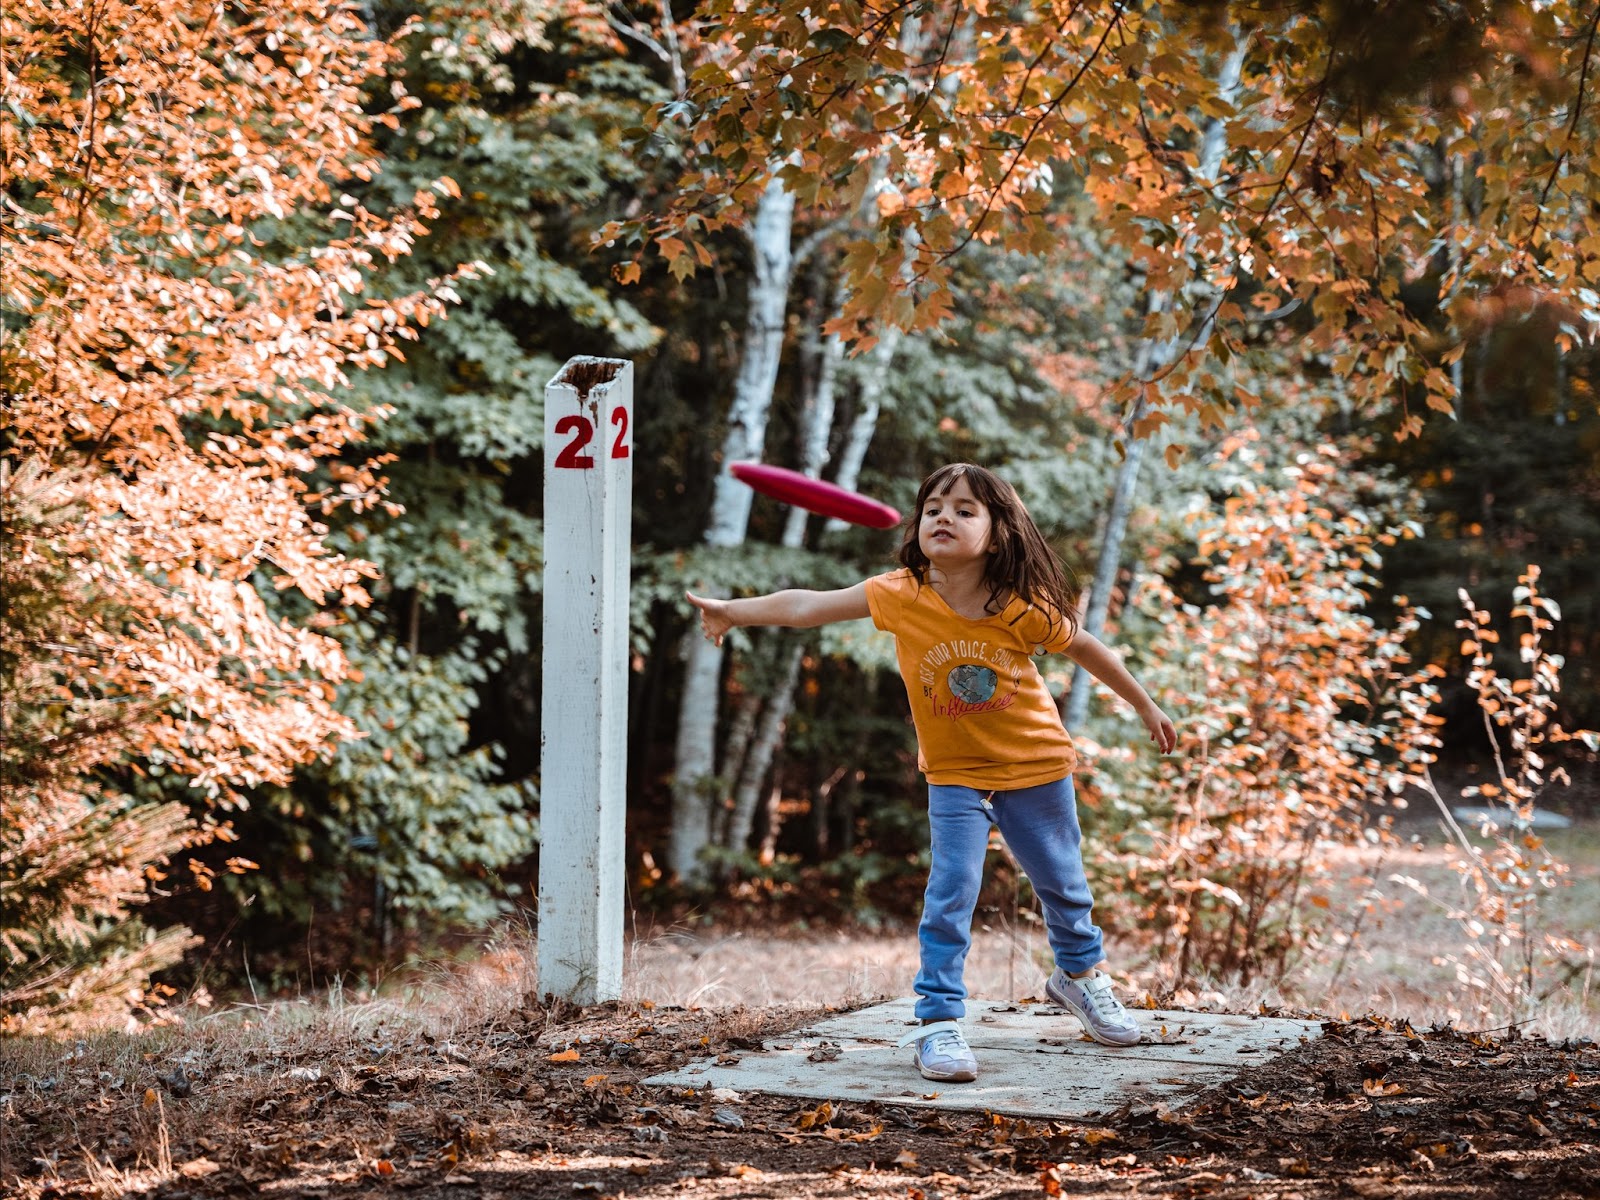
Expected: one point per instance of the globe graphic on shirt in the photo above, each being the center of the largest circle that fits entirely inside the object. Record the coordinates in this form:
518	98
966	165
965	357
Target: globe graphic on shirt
972	684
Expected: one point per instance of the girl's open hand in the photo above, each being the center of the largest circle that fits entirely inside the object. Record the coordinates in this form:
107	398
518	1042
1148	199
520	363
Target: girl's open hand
714	618
1162	730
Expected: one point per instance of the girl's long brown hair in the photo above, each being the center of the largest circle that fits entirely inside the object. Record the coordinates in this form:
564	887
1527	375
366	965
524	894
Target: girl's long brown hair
1022	565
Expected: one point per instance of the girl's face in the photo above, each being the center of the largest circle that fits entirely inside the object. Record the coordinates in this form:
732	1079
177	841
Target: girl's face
955	529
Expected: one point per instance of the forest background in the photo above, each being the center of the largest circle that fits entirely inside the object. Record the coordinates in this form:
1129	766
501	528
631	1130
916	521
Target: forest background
284	286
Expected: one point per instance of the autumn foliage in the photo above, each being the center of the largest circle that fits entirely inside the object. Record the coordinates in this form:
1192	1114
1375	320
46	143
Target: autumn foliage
183	302
1511	960
1338	133
1293	739
1308	727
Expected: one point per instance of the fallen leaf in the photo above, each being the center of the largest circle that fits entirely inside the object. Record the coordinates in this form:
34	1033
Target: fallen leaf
1378	1087
1095	1136
1371	1188
820	1115
571	1055
198	1168
842	1135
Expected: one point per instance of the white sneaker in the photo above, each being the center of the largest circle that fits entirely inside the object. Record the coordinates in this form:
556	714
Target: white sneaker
942	1052
1093	1002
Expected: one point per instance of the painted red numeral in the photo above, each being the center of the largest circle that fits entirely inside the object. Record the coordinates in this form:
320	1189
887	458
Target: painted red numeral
619	418
582	430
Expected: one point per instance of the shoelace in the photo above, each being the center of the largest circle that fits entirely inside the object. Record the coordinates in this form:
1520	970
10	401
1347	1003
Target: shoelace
947	1042
1104	1002
935	1037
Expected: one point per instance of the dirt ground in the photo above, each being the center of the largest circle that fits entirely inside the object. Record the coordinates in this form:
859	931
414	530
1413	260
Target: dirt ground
548	1102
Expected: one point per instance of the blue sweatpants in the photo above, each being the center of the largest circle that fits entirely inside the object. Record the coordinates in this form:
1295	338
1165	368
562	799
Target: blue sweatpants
1040	825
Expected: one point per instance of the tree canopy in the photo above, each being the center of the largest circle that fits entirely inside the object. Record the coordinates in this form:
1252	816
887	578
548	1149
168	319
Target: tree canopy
1365	146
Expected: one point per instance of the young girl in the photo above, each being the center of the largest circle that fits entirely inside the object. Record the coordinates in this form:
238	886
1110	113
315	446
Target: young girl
981	592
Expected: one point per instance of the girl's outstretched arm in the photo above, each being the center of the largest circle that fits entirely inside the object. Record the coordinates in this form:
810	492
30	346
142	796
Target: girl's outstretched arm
1094	656
796	607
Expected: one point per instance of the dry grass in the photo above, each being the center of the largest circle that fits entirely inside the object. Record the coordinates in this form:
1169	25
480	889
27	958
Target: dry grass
1408	957
1403	963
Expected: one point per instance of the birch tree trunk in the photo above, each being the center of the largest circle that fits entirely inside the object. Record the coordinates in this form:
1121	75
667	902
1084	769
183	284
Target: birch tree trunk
769	735
1150	357
693	805
694	784
817	421
1109	560
873	382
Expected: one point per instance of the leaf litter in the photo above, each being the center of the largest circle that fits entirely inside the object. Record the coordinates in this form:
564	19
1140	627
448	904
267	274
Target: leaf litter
549	1102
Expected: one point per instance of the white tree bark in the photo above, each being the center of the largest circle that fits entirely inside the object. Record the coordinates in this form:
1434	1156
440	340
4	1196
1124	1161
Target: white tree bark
873	382
817	422
1109	560
769	734
1150	357
694	783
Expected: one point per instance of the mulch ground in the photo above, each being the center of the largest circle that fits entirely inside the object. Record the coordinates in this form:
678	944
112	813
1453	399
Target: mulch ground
548	1102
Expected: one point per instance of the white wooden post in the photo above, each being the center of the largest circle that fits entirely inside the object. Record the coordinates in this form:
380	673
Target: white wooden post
588	500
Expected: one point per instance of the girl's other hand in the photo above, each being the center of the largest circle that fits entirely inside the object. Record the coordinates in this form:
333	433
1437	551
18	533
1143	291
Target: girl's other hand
714	618
1162	730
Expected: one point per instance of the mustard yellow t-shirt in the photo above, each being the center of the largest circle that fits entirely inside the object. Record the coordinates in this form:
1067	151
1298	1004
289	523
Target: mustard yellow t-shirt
983	715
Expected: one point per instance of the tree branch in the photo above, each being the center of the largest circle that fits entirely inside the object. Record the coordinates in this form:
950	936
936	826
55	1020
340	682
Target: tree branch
1572	127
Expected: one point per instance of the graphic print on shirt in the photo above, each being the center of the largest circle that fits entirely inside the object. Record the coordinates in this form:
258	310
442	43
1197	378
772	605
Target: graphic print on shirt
978	677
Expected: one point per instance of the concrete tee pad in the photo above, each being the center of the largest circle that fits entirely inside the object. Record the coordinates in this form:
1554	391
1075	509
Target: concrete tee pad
1033	1060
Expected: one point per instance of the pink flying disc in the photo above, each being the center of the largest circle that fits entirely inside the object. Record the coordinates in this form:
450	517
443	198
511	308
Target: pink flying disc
815	495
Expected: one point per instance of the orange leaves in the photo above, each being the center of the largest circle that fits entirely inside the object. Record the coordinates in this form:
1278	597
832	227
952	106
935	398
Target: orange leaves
1279	676
968	116
815	1117
174	379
